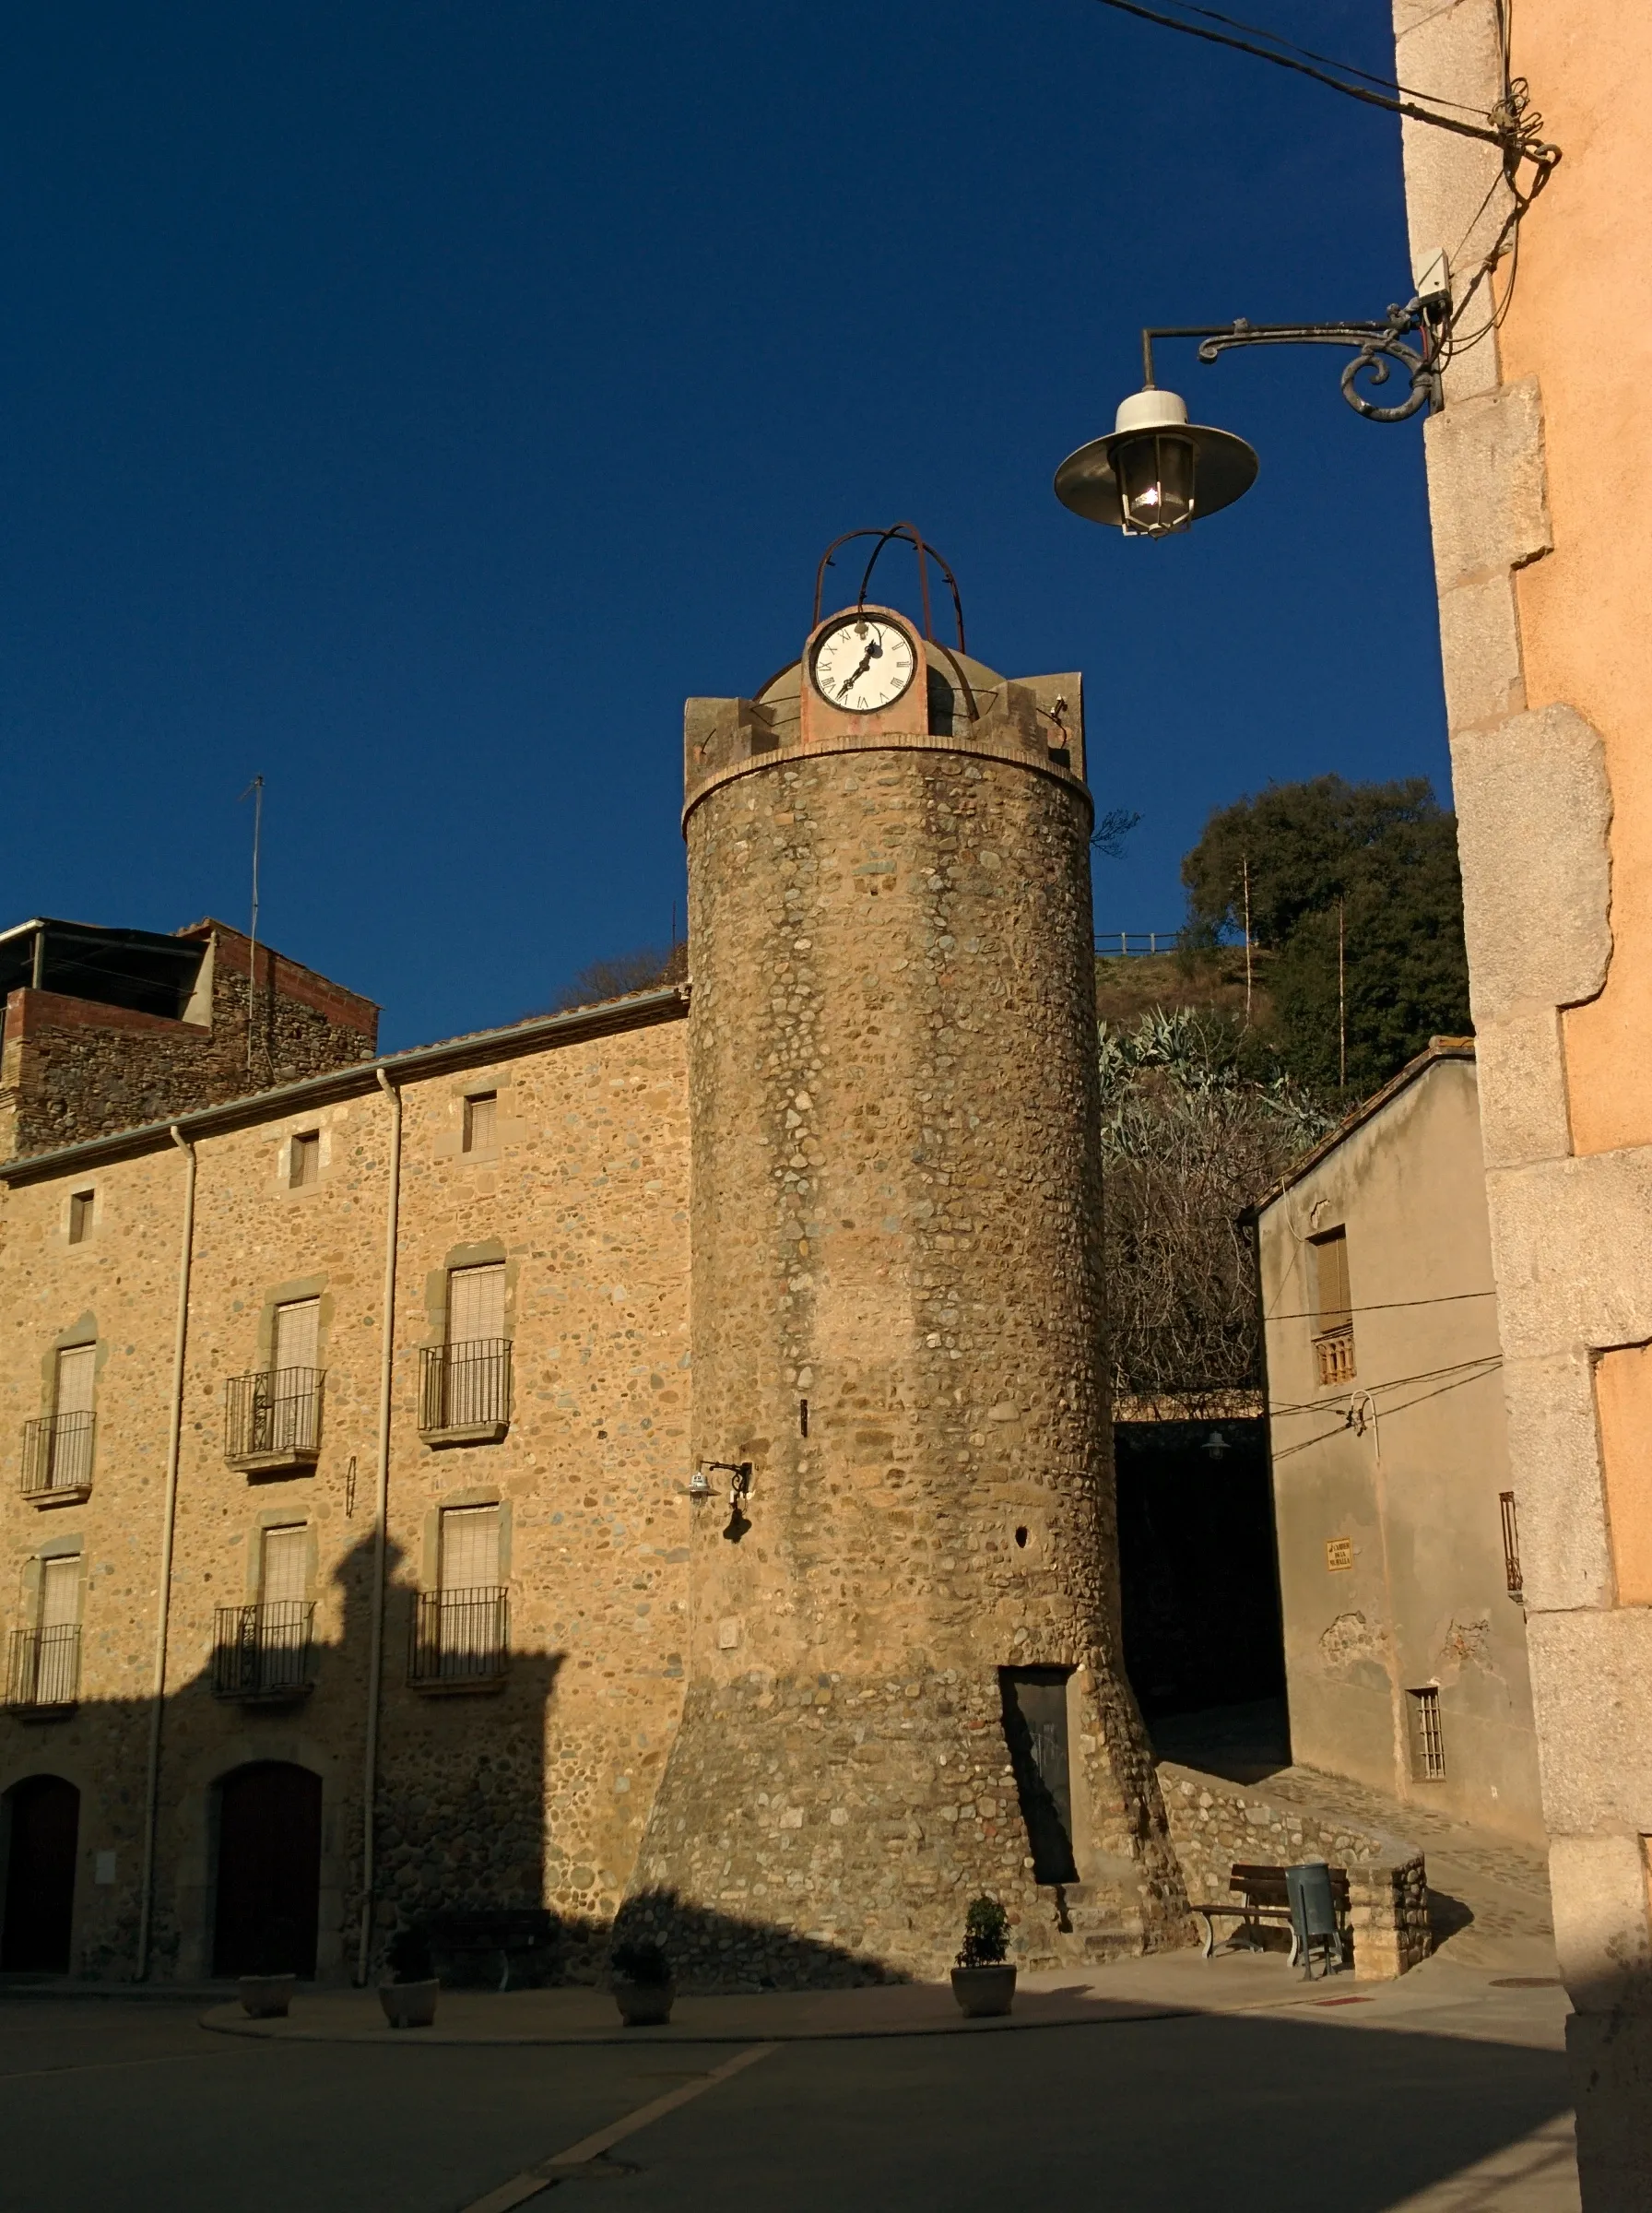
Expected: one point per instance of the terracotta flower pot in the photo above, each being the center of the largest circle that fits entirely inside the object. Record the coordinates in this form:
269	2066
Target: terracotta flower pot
267	1997
984	1989
409	2005
644	2005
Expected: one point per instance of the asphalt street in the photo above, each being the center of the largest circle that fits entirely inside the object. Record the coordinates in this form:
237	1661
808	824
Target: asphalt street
123	2106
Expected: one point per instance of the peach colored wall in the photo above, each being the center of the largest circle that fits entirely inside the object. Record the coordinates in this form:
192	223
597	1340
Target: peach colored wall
1581	323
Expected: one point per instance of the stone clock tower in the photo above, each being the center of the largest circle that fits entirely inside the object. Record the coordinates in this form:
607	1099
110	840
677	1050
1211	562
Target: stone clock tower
905	1686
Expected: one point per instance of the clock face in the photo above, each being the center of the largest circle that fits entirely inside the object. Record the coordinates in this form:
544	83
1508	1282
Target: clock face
862	663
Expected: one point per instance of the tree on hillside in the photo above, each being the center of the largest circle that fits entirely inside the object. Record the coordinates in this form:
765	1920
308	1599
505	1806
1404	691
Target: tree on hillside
1188	1141
621	974
1378	861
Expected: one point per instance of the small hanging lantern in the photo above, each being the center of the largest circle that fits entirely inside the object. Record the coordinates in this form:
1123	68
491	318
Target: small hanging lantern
1155	470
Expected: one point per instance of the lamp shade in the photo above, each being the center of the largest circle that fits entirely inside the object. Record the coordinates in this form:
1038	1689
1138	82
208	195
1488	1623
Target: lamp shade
1155	471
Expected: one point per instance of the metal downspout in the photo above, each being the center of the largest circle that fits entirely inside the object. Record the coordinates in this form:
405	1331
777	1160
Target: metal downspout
169	1517
375	1665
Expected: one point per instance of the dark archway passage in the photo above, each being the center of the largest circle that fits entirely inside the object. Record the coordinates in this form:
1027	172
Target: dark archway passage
268	1871
1198	1580
40	1874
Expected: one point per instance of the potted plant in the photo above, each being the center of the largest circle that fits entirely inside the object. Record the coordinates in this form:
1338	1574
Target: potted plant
409	1996
267	1991
983	1982
640	1975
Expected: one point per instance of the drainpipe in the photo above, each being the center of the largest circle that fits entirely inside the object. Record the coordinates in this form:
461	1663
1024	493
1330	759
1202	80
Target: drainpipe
169	1518
375	1664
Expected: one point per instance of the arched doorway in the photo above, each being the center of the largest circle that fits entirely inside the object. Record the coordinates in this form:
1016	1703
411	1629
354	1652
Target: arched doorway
268	1871
43	1825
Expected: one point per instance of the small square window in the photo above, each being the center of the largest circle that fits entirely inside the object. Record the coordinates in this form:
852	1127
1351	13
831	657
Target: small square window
81	1217
304	1162
481	1121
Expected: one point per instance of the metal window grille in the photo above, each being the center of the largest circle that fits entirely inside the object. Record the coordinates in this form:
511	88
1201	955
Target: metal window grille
261	1651
57	1454
1428	1745
276	1410
1511	1546
460	1635
43	1668
466	1386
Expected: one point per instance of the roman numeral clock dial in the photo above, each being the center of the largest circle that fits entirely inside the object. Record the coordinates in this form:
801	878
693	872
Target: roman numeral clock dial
862	664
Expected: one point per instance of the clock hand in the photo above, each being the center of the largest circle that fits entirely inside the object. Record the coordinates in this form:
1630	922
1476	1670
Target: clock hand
873	652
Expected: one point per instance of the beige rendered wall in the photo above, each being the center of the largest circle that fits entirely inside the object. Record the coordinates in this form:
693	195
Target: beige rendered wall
1538	470
1408	1494
535	1792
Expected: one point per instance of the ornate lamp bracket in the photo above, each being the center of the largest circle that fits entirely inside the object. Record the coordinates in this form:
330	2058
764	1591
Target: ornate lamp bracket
1375	345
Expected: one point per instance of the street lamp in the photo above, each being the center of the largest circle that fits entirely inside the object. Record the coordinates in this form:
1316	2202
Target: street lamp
1155	471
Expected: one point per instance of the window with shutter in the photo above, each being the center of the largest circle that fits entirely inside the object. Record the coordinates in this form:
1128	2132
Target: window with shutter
60	1593
476	1303
469	1549
481	1121
298	1327
77	1368
285	1560
1333	1306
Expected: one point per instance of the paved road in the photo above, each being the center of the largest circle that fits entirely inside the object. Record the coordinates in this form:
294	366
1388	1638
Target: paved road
123	2106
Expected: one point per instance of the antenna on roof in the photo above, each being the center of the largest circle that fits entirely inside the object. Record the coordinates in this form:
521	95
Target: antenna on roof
255	791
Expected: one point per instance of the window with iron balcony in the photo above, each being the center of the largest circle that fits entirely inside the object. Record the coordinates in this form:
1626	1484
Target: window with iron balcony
42	1674
461	1630
464	1382
272	1418
57	1447
1333	1307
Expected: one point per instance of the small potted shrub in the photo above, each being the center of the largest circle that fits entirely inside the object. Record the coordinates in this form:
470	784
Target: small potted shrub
267	1993
983	1982
409	1996
640	1975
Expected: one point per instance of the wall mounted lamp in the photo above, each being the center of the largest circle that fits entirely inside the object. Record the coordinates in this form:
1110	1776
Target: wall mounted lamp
737	1471
1155	471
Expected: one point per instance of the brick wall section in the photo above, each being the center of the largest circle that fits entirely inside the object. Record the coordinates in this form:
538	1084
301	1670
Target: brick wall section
1215	1827
72	1069
895	1198
534	1793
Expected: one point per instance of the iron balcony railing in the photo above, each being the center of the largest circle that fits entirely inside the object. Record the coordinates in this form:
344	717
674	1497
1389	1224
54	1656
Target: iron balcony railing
57	1455
262	1651
274	1416
43	1669
1336	1356
466	1386
459	1637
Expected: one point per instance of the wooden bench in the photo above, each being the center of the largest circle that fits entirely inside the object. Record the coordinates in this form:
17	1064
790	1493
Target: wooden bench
467	1943
1261	1895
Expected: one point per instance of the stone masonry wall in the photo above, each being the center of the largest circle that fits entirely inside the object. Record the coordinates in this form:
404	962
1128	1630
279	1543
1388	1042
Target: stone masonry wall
532	1794
72	1069
1216	1827
897	1319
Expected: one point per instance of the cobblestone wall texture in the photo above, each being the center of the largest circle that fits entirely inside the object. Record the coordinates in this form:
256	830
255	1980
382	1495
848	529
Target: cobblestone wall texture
895	1219
533	1794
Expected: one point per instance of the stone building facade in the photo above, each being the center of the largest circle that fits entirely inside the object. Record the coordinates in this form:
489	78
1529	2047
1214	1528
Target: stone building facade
650	1460
1542	537
1398	1532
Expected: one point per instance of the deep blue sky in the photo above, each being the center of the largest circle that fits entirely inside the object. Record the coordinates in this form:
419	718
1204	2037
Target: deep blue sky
415	402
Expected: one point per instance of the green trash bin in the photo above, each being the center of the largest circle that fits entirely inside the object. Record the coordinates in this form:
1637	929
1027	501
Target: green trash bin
1314	1917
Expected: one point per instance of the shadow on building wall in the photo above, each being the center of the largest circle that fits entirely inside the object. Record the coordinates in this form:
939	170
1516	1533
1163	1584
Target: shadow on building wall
259	1835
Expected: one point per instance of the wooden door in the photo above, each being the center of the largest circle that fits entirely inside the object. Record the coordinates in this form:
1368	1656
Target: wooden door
268	1871
1035	1729
40	1875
